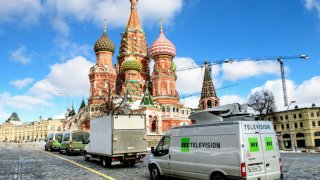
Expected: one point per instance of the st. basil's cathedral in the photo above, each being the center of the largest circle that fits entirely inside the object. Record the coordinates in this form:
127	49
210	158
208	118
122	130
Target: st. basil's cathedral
156	95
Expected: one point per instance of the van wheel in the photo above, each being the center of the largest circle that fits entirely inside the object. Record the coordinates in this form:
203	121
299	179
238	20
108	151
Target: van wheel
155	173
60	152
86	158
68	152
132	163
217	176
45	148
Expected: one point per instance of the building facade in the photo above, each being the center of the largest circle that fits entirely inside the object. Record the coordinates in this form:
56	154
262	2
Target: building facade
13	130
154	95
304	124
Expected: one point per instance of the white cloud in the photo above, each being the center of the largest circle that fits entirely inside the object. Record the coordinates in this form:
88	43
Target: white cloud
190	81
313	4
3	114
246	69
22	83
229	99
70	77
66	49
305	93
191	102
22	101
20	55
95	11
23	12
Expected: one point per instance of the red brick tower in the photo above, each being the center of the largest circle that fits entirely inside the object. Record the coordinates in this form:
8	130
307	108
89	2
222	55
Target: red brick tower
103	74
162	51
133	43
209	97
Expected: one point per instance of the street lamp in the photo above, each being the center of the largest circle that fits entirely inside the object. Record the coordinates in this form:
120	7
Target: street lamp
291	102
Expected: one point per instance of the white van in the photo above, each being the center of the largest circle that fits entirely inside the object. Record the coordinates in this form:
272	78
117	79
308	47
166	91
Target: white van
233	149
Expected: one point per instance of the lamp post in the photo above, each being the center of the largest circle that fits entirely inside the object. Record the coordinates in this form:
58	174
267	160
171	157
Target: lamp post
291	102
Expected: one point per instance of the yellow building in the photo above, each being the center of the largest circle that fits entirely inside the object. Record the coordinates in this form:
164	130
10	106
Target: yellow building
13	130
304	125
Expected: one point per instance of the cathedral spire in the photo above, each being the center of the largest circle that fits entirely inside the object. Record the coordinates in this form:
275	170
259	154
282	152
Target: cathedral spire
134	21
105	25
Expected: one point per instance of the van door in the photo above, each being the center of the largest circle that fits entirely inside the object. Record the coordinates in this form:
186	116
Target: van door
253	152
162	155
271	156
182	157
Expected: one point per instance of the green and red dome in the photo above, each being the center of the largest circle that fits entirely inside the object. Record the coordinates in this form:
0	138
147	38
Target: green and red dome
104	44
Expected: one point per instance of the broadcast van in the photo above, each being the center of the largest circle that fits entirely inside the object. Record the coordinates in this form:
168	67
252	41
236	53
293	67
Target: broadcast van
224	144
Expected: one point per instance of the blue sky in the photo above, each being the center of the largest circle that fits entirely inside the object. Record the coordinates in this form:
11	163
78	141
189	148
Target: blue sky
47	47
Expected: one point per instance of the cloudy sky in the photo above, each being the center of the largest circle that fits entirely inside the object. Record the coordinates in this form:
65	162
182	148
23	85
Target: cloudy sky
47	48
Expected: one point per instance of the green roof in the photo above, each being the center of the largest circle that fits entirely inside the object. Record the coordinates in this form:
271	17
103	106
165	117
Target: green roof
147	100
14	117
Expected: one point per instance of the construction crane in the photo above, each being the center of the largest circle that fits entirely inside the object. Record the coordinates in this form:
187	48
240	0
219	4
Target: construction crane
197	93
280	60
265	58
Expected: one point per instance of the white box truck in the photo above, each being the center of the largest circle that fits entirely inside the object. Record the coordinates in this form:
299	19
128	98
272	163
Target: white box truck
117	139
229	147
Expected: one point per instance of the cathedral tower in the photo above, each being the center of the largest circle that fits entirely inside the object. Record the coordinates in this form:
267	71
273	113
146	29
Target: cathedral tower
133	43
209	97
103	74
162	51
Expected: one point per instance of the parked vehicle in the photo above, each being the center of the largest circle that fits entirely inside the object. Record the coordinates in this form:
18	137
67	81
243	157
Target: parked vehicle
53	141
230	146
117	139
72	141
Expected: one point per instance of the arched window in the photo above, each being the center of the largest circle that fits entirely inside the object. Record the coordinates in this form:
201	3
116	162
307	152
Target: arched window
209	104
286	136
216	103
174	109
299	135
317	133
163	109
168	109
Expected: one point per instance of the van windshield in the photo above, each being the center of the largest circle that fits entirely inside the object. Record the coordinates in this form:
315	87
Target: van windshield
79	136
58	137
50	137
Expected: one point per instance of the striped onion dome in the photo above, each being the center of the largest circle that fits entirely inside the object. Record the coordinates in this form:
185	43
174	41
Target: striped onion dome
162	46
104	44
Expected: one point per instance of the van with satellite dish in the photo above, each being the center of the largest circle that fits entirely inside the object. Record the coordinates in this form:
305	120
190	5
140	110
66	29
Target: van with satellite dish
72	141
225	143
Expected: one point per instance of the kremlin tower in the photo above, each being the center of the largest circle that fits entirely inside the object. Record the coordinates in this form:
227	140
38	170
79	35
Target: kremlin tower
209	97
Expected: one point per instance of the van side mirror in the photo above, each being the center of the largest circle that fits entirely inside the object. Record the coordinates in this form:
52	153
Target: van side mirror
152	150
85	141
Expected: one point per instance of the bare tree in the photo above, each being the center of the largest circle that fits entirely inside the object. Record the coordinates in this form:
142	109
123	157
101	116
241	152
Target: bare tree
111	102
263	103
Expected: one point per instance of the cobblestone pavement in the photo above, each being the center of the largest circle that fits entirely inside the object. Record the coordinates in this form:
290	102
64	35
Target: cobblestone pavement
301	165
26	162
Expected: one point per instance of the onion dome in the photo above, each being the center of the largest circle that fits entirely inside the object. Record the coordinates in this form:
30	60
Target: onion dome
104	43
131	64
162	46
